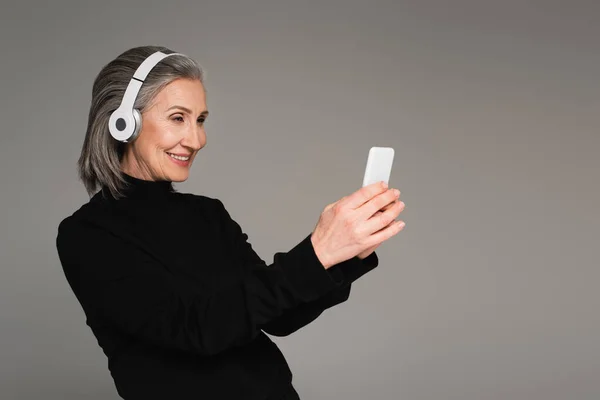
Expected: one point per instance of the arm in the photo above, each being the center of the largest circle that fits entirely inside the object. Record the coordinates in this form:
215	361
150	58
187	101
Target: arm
121	282
305	313
301	315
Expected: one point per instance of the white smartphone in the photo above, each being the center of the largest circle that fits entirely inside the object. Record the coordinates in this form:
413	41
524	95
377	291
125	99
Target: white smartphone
379	165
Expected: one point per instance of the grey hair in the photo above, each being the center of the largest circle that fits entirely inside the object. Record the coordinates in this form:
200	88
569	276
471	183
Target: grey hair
99	164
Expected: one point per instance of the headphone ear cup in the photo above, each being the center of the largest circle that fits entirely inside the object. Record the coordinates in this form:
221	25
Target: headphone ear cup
138	124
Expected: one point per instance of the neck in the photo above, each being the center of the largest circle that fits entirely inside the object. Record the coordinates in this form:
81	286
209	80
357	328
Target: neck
137	187
132	168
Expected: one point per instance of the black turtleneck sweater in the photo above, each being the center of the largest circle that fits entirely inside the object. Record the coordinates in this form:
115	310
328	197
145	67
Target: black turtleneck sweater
179	301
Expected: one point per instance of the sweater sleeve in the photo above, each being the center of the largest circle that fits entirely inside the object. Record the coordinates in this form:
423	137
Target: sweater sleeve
134	292
345	273
305	313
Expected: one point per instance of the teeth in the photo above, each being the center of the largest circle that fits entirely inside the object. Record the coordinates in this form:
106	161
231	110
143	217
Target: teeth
179	157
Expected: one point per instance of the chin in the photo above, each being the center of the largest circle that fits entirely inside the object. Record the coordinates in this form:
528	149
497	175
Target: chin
176	173
178	176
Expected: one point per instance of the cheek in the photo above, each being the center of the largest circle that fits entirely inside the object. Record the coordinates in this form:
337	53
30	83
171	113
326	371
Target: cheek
164	136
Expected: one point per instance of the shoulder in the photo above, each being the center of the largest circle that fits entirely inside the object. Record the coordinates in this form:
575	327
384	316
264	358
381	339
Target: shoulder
76	219
71	236
206	202
212	208
98	213
74	228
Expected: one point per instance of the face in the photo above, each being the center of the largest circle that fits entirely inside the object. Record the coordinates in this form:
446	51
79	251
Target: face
172	133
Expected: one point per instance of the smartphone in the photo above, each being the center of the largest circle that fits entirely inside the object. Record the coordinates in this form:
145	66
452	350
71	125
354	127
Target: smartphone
379	165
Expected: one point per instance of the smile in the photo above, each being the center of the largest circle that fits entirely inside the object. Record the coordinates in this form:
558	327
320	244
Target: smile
180	158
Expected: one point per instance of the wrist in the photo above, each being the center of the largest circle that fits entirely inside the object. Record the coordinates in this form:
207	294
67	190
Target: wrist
320	255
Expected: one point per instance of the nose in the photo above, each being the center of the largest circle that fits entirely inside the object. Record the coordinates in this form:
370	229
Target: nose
194	138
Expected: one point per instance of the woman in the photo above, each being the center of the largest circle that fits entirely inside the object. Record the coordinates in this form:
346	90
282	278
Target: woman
171	288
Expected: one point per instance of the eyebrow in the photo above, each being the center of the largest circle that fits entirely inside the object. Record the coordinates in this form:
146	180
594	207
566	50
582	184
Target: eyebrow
187	110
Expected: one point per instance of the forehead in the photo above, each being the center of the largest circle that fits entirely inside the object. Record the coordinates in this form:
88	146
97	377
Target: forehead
185	92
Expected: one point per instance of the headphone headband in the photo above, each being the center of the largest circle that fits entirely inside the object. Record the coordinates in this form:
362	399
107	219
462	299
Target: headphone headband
125	122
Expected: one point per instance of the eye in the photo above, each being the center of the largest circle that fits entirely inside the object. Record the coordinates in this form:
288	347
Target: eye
179	118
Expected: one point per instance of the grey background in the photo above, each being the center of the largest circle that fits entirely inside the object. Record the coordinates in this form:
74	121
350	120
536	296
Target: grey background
490	292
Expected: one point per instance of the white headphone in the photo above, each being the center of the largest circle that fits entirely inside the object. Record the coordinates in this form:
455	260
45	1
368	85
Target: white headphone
125	123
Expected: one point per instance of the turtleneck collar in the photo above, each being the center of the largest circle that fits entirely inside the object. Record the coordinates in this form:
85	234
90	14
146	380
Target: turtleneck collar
140	188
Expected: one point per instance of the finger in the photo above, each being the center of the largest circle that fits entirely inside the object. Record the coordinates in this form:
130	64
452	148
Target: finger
379	230
382	219
387	232
377	203
363	195
387	207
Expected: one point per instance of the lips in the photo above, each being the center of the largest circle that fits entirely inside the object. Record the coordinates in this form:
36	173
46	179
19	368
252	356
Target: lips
180	157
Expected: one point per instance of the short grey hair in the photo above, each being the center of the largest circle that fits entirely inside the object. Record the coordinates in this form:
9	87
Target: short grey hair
100	161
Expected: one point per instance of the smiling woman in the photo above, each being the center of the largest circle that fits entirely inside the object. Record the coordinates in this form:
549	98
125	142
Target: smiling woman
176	296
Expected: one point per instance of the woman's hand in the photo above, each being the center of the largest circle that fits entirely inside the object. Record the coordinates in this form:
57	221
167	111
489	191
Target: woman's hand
364	254
357	224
